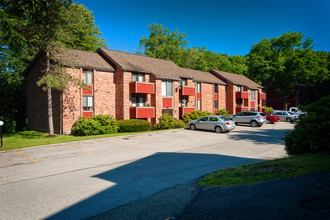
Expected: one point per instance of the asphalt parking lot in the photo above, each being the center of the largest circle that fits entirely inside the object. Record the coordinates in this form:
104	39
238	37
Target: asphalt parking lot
81	179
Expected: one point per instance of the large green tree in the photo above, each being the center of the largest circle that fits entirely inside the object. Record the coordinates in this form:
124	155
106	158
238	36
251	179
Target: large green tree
163	44
49	26
278	63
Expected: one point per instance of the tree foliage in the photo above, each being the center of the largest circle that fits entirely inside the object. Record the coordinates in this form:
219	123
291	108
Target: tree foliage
164	44
310	134
27	27
278	63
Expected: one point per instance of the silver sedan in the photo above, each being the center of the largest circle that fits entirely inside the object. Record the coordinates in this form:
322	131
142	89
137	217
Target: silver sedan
215	123
286	116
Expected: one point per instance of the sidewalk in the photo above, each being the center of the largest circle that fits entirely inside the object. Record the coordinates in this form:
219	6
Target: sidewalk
305	197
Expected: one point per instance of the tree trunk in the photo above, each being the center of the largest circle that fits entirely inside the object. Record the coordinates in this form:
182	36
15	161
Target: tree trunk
49	99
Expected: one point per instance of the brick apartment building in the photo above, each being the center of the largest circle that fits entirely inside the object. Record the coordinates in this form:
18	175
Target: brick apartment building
123	85
242	93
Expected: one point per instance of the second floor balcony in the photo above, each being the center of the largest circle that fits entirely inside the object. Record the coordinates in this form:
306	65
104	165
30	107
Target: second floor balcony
187	91
142	87
242	95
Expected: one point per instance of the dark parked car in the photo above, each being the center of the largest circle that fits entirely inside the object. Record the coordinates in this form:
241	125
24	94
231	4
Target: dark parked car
215	123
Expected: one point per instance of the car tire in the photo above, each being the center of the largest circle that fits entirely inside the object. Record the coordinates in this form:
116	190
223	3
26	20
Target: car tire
268	121
236	123
192	127
218	129
254	124
288	119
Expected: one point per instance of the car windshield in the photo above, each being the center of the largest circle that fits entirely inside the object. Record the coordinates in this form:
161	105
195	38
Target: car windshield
223	118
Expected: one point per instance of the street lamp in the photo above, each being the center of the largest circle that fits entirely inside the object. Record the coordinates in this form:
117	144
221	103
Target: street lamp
1	123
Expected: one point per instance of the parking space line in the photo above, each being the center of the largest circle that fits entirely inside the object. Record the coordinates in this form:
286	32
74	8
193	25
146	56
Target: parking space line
115	142
80	149
24	155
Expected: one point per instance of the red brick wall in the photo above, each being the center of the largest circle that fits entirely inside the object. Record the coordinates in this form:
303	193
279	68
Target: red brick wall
222	97
156	100
231	98
207	97
36	100
176	99
72	103
104	93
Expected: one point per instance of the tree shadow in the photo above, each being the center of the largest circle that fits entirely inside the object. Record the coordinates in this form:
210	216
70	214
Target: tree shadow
147	176
264	136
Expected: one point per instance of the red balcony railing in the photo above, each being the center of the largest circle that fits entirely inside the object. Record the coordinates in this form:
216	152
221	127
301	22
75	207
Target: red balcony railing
142	112
184	110
141	87
167	102
187	90
262	96
242	95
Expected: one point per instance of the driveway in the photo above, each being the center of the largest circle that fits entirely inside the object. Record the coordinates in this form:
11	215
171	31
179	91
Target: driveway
82	179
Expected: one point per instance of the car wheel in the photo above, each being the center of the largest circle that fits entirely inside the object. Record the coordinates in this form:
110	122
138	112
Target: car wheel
192	127
289	120
254	124
218	129
268	121
236	123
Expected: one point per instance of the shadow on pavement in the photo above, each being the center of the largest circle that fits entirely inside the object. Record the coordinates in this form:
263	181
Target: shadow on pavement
262	136
144	177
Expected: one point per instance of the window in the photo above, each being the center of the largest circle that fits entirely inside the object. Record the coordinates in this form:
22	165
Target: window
88	77
137	77
198	87
167	88
183	82
238	102
88	103
213	119
215	88
238	88
203	119
138	100
253	95
215	104
198	104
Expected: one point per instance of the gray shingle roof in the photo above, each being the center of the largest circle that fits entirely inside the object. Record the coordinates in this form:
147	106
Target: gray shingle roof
202	76
85	59
137	63
238	79
164	69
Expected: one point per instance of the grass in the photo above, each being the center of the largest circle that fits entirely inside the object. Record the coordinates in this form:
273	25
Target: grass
33	138
292	166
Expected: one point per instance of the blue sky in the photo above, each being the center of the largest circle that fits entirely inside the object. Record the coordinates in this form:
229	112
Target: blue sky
224	26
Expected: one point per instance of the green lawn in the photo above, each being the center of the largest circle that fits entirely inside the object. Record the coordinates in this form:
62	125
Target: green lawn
268	170
33	138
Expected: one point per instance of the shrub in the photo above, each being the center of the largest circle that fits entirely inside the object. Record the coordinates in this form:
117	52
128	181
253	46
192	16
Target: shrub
168	122
133	125
223	112
268	110
194	115
9	125
94	125
310	134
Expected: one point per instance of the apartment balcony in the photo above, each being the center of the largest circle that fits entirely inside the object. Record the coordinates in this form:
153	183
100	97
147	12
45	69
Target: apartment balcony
262	96
241	108
142	112
142	87
184	110
187	91
242	95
